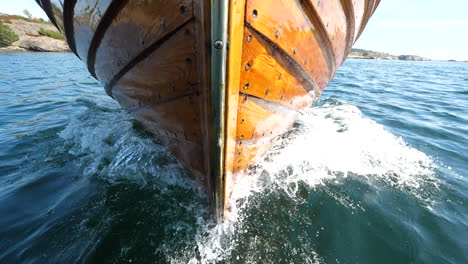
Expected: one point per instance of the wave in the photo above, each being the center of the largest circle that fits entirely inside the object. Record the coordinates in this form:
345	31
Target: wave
330	142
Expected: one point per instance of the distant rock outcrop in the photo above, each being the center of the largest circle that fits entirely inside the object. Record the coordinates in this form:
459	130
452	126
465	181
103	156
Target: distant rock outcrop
29	37
368	54
412	58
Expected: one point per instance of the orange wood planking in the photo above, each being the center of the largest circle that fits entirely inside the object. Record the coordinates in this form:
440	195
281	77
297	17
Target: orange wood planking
154	58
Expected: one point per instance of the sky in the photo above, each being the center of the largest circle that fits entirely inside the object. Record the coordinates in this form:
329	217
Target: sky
430	28
433	29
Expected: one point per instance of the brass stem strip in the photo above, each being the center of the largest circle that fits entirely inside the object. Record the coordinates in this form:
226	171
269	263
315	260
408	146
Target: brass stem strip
219	25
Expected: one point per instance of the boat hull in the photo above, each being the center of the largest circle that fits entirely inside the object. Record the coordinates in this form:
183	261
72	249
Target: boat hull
216	82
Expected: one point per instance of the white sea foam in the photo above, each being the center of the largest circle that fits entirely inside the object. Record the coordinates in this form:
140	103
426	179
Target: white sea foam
332	142
105	143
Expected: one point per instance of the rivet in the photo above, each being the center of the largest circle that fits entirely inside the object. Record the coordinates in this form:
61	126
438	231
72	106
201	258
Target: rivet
163	23
218	44
246	86
249	38
188	61
188	33
277	34
241	136
242	121
267	92
294	51
247	66
254	13
183	9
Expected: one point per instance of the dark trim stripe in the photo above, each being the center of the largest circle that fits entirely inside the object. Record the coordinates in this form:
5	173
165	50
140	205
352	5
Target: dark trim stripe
321	35
168	100
39	3
273	107
143	55
47	7
301	74
348	9
68	15
106	20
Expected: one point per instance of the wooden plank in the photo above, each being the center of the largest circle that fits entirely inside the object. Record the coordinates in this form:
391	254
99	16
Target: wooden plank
368	11
236	34
178	122
269	73
135	28
88	15
261	119
287	25
189	153
201	10
348	9
162	91
179	119
250	151
332	15
359	8
168	72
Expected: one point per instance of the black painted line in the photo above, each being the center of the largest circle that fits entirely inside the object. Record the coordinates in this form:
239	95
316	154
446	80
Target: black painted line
106	20
348	9
321	36
47	7
143	55
68	18
304	76
168	100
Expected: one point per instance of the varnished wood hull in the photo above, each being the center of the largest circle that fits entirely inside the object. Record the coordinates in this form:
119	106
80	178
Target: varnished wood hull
216	108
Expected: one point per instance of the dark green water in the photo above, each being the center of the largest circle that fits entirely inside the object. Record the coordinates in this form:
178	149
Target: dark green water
375	172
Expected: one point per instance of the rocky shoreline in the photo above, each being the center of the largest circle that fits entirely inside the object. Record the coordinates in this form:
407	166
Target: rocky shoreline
29	37
373	55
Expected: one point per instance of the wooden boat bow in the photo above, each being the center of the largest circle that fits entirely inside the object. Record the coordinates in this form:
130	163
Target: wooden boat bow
217	82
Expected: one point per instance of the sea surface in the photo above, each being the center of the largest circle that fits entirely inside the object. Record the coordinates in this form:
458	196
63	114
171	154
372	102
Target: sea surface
376	171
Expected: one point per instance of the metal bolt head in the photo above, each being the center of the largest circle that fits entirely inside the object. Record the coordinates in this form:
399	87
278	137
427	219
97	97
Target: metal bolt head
218	44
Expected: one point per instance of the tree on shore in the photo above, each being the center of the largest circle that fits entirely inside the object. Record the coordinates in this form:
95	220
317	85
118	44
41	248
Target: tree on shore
7	36
27	14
